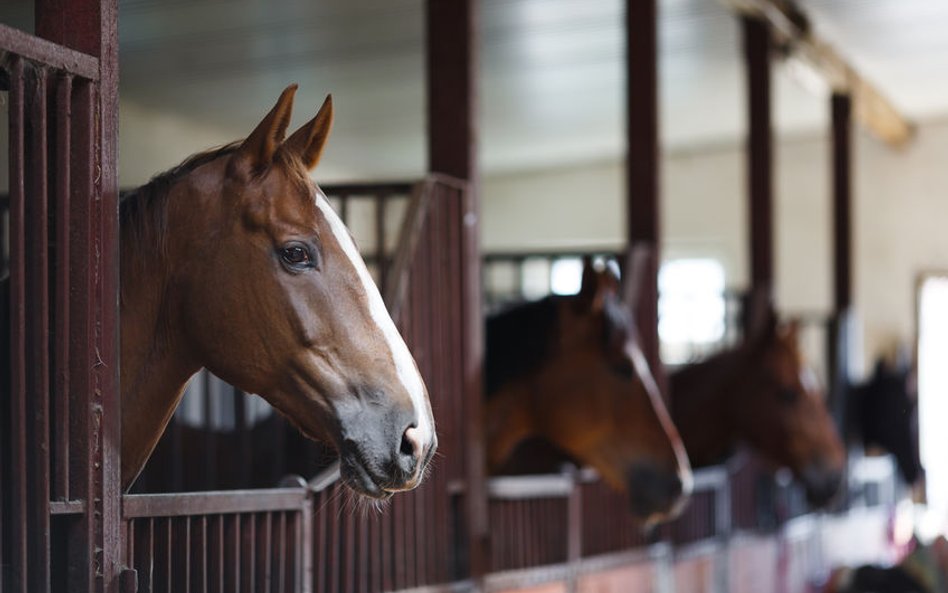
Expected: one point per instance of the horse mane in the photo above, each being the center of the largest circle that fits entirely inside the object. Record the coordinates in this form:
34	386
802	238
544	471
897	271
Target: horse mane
714	369
143	212
518	340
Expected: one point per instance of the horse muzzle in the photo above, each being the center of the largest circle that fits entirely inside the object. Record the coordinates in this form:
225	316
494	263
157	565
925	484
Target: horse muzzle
382	450
821	482
655	493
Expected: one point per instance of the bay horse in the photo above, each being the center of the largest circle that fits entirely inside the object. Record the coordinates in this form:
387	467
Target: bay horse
235	261
882	413
569	370
763	394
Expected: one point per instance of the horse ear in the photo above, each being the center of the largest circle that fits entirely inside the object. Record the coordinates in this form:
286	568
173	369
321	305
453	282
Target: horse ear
260	146
308	142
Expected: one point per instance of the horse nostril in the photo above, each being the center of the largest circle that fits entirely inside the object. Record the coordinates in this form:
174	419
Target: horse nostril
408	442
410	450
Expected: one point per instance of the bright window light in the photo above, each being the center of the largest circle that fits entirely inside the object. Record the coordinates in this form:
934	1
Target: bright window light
933	399
566	275
691	307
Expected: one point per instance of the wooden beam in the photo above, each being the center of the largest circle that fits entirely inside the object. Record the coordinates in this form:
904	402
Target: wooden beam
792	29
841	107
642	165
451	60
757	53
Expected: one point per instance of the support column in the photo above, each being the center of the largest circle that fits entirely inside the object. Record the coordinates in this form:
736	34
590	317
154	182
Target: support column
842	202
757	51
96	551
451	60
840	328
642	166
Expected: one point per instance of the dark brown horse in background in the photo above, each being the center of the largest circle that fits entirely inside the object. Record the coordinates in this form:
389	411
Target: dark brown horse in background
568	369
882	413
235	261
762	394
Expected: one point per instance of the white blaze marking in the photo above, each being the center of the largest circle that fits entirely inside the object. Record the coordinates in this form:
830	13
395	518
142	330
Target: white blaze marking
808	379
404	363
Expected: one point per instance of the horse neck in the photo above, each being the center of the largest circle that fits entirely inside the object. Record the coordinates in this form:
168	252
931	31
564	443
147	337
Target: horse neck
156	360
518	342
702	397
508	420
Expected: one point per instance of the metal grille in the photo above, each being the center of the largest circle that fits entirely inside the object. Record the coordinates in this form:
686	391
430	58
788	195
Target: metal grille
239	542
57	320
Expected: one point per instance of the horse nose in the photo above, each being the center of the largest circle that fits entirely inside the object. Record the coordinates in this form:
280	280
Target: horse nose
821	482
413	451
654	491
409	451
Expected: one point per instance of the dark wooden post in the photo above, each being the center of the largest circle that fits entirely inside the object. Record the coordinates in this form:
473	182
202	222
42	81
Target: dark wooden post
842	202
451	58
642	165
840	334
757	50
90	26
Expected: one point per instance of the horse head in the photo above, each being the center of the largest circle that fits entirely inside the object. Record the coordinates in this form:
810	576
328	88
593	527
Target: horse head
591	395
885	412
265	287
782	411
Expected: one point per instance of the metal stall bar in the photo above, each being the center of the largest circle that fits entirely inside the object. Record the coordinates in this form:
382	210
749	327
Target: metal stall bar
18	489
37	336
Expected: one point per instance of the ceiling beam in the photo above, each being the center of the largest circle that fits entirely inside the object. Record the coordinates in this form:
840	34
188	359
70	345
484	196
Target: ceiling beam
792	31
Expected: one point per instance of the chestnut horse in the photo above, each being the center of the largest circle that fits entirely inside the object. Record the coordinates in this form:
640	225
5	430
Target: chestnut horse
235	261
763	394
568	369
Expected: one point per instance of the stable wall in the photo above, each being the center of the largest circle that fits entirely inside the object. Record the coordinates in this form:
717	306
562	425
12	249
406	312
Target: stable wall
899	202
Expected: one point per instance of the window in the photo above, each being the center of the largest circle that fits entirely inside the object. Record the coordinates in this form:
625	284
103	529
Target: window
933	399
691	308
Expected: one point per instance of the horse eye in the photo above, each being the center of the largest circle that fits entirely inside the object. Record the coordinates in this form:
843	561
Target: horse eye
295	255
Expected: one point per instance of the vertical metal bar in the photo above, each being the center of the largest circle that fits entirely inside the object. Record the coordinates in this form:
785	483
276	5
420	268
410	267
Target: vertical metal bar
380	252
231	553
266	546
280	555
319	542
386	565
243	435
82	354
18	329
60	400
248	553
37	244
306	542
209	473
757	50
150	556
